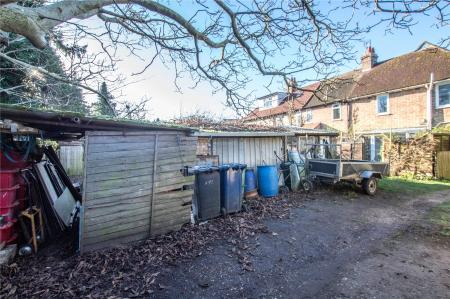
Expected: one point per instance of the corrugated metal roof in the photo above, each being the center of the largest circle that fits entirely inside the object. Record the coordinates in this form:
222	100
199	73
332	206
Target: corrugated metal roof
242	134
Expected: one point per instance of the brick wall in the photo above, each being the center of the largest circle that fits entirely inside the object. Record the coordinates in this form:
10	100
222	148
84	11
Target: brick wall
407	109
202	146
324	115
440	115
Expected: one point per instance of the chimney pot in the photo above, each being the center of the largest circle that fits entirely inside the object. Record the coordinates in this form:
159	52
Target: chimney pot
369	59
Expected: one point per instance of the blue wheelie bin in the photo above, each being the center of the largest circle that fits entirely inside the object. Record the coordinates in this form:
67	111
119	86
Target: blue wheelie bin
230	188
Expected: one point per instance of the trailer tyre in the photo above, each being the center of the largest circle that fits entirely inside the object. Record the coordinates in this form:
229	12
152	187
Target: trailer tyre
307	185
370	186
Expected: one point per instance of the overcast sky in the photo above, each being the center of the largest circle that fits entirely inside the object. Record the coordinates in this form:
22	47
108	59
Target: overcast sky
157	82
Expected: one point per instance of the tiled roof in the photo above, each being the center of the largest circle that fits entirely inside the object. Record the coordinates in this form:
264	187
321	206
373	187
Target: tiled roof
408	70
284	107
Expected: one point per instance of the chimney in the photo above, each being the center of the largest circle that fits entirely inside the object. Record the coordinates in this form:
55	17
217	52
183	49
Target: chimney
291	85
369	59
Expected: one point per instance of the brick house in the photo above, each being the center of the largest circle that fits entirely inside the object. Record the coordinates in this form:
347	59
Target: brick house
282	108
400	96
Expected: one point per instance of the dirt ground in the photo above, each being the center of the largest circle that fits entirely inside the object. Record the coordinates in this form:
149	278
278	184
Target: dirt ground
334	243
377	247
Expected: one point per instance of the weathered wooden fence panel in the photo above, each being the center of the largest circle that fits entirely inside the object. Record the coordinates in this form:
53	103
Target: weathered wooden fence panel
133	186
443	165
71	157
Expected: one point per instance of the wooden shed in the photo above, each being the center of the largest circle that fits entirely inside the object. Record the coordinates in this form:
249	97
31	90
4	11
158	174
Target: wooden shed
133	184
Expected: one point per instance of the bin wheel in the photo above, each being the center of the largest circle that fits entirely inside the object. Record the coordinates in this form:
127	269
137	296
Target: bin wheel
284	190
307	185
224	211
370	186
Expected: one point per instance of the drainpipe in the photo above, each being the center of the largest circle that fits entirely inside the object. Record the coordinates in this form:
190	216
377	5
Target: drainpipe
430	102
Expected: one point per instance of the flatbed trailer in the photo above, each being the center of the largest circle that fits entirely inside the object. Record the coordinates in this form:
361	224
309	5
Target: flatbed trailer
360	172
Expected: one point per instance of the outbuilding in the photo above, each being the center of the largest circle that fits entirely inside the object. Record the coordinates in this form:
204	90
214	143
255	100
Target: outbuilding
133	184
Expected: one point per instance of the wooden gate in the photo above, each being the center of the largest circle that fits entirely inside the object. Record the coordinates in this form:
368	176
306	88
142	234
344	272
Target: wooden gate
443	165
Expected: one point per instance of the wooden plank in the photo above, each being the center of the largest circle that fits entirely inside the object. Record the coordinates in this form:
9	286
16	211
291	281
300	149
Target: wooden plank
115	241
118	209
175	181
143	231
120	139
106	220
116	175
182	218
101	148
168	203
119	154
184	159
155	156
119	193
117	184
85	199
174	194
121	199
171	212
171	206
119	161
164	180
112	227
443	165
172	187
119	167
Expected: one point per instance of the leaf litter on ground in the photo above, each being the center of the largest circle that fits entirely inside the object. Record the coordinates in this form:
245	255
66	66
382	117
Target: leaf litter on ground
132	270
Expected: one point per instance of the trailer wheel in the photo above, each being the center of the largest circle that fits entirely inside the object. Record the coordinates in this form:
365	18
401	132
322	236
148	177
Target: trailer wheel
370	185
307	185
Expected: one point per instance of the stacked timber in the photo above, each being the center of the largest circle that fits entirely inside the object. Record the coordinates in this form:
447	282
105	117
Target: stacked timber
412	157
133	186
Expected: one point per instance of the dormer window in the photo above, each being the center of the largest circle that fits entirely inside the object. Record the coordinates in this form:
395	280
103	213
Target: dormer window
268	103
271	101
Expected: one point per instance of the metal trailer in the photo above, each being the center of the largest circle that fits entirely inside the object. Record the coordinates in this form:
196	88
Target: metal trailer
360	172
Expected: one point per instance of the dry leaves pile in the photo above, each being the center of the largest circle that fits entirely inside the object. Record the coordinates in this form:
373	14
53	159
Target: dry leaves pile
133	270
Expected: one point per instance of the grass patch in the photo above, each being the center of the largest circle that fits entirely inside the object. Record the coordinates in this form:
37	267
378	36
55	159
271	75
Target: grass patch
440	215
412	186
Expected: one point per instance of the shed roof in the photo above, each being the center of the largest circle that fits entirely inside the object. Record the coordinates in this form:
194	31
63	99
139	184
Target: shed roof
60	122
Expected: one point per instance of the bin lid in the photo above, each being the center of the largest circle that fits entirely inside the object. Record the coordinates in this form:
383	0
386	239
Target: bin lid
242	166
203	169
235	166
224	167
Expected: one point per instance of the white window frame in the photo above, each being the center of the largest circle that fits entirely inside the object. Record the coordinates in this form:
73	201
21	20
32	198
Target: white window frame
298	119
437	94
334	106
266	101
308	112
387	104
